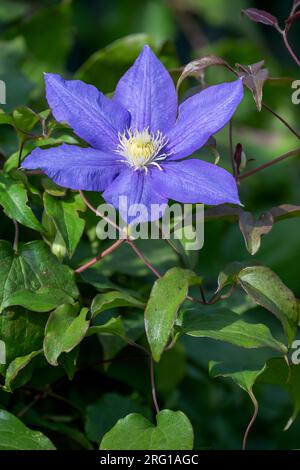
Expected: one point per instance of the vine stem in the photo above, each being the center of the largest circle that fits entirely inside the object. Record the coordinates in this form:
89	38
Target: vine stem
93	209
33	172
16	239
272	162
188	297
203	296
289	48
99	257
142	257
30	405
215	298
152	377
138	253
267	107
153	388
231	148
20	152
252	421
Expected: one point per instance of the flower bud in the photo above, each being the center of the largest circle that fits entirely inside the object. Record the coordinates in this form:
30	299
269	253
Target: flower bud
58	247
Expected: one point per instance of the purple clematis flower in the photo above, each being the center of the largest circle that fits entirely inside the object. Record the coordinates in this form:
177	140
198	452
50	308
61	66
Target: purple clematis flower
139	138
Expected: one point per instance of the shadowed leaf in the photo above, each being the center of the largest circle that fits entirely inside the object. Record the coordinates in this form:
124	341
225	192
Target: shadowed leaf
14	435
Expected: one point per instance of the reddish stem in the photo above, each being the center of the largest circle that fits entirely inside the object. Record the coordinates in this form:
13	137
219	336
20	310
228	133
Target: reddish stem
99	257
142	257
264	105
99	214
33	172
153	388
272	162
289	48
252	421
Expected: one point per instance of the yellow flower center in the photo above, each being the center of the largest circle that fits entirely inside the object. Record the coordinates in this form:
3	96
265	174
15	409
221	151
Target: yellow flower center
142	148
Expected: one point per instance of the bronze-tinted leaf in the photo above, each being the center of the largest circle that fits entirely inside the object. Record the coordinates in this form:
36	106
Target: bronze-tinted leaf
253	230
254	78
296	4
196	67
261	16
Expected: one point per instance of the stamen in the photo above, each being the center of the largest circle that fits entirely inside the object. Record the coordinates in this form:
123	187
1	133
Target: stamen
142	148
156	164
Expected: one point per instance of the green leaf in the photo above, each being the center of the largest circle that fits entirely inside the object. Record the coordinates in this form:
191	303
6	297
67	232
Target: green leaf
14	435
24	119
224	325
267	289
61	428
167	294
114	299
22	331
278	373
244	378
114	326
69	362
64	213
13	199
103	415
229	275
173	431
112	335
20	371
5	118
41	301
34	278
52	188
64	330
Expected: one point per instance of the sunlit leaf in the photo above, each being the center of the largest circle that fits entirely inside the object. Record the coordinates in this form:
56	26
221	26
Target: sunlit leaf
167	294
66	328
33	278
222	324
14	200
173	431
114	299
14	435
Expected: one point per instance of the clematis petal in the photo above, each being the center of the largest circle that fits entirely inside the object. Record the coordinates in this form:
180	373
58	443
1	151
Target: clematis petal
201	116
75	167
130	189
92	116
148	92
195	181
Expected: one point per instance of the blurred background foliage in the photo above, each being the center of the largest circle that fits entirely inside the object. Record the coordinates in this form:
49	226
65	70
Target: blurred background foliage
96	41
